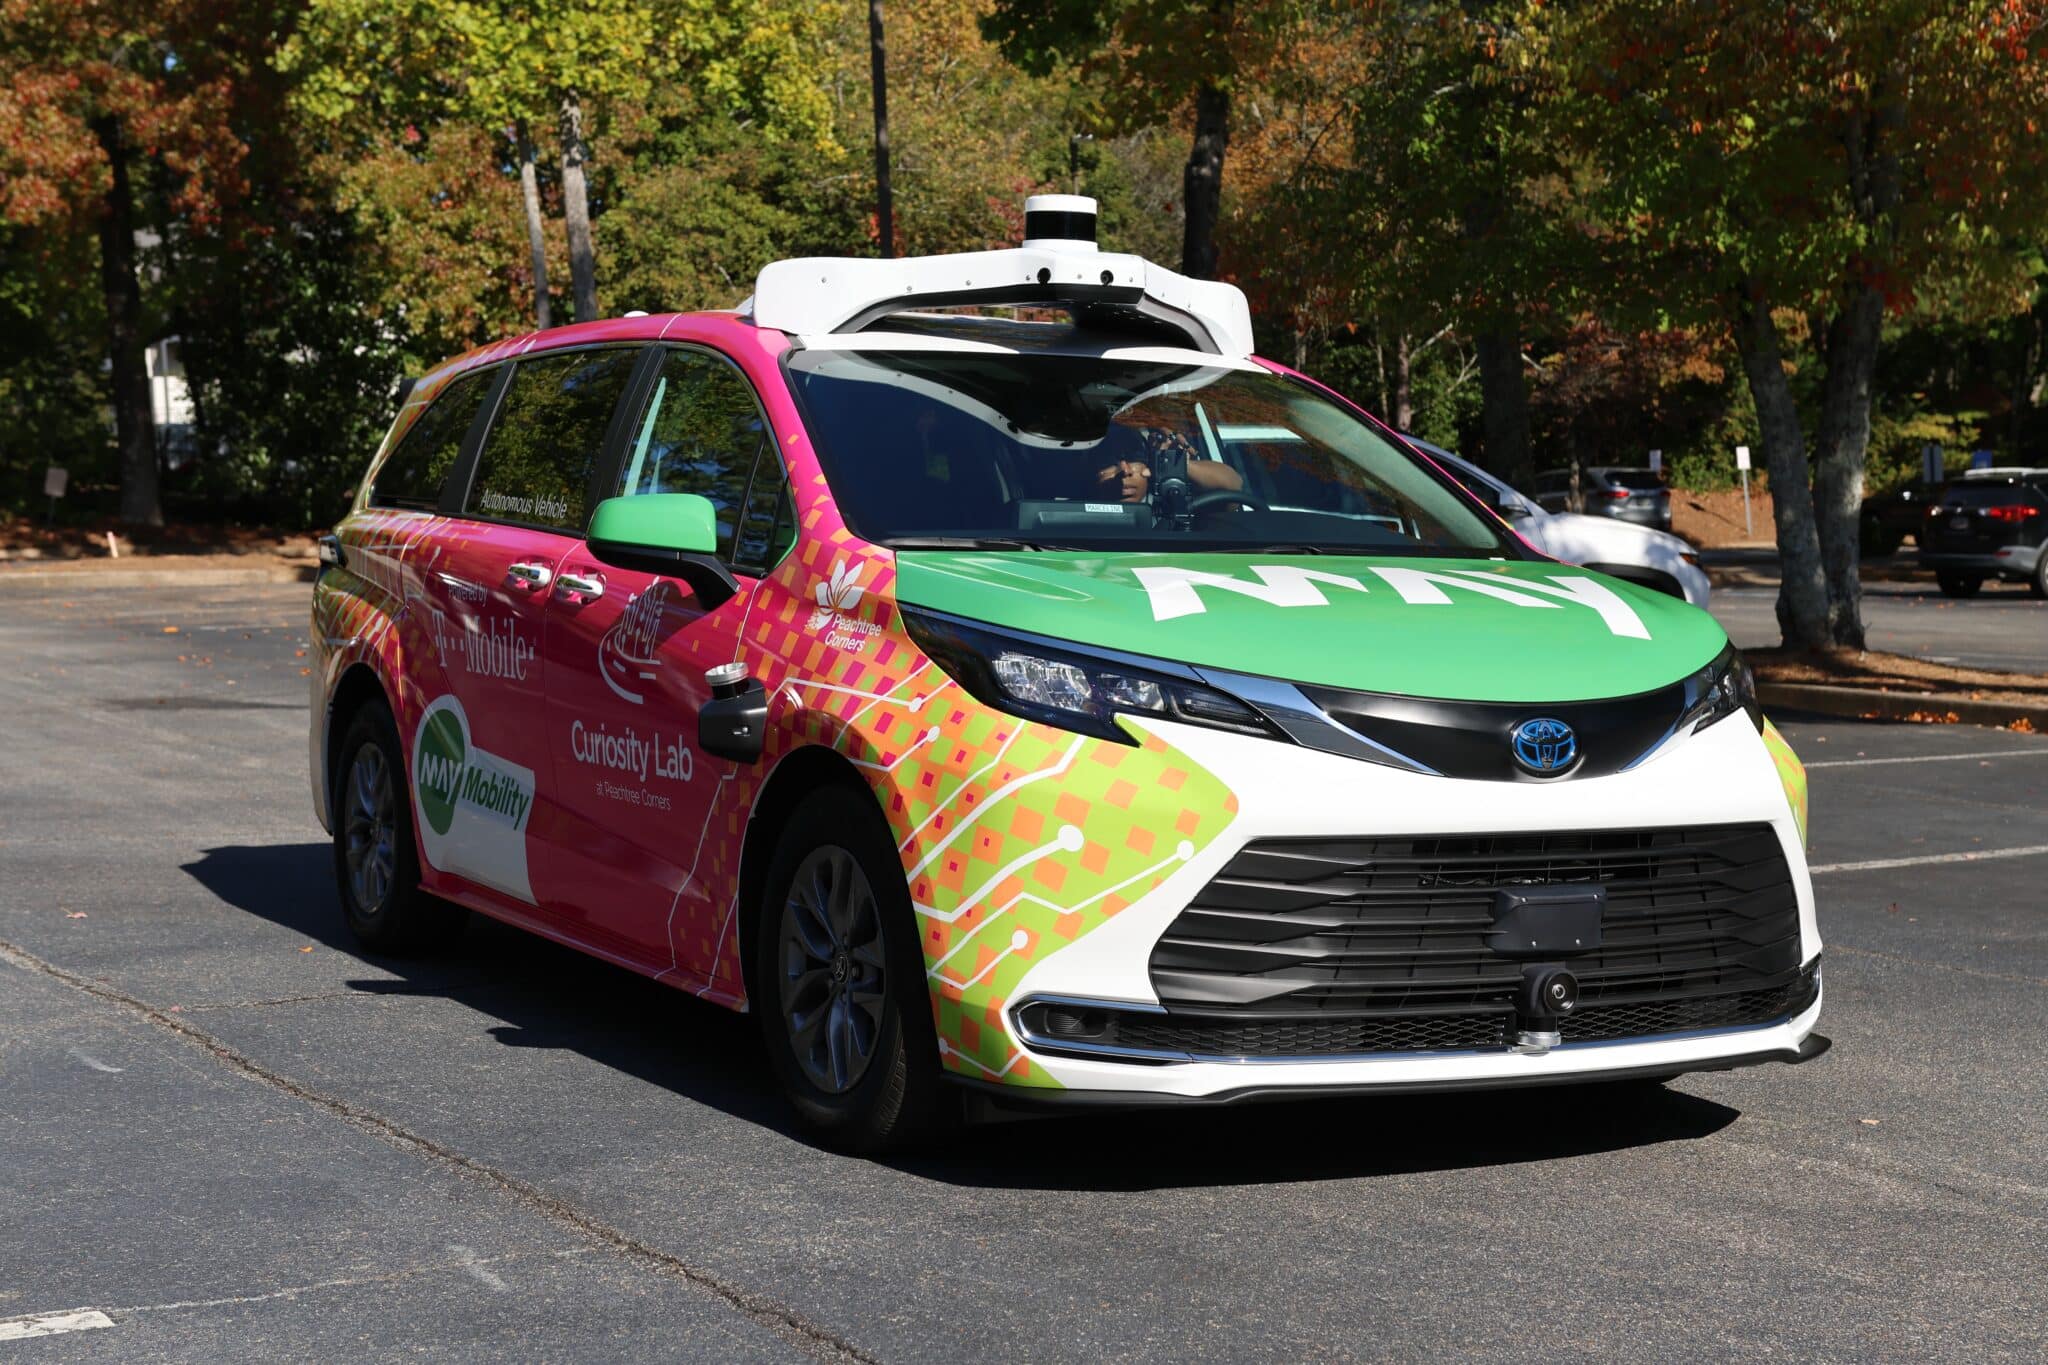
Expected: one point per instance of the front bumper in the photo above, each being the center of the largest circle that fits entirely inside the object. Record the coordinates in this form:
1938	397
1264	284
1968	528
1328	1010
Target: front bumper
1723	775
1646	1061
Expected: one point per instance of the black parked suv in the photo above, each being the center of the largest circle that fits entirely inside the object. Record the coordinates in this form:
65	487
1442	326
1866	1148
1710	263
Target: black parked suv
1888	518
1992	525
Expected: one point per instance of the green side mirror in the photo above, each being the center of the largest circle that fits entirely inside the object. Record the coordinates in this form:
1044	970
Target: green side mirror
674	534
683	523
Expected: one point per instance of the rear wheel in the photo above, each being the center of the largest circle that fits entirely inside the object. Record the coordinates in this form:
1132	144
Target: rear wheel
1959	584
376	861
838	981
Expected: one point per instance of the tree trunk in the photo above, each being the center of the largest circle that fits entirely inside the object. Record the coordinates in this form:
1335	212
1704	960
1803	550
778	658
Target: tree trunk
878	77
1404	405
1379	366
576	210
536	244
1802	585
1504	412
134	420
1841	447
1201	184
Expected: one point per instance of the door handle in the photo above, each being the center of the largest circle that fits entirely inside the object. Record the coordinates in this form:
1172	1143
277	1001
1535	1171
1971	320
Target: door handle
531	576
589	587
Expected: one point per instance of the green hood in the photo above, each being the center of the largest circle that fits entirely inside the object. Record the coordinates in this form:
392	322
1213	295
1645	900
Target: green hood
1461	629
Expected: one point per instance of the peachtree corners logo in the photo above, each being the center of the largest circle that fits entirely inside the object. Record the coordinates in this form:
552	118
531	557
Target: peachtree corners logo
837	597
447	776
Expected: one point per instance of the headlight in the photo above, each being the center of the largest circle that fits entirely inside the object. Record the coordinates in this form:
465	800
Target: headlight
1718	691
1075	690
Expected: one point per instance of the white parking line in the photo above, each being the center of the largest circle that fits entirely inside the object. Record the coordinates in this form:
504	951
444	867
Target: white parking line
1972	856
53	1324
1927	758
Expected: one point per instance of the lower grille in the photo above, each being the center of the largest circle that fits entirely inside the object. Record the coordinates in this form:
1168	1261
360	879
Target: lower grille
1310	1037
1598	1022
1182	1036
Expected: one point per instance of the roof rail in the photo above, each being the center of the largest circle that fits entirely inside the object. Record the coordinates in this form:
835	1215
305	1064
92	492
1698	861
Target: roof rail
1058	264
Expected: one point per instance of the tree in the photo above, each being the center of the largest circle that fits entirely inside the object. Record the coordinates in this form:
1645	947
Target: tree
382	70
1455	206
1810	170
103	105
1157	58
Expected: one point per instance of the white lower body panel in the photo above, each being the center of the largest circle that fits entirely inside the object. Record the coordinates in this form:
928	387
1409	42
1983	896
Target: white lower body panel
1722	775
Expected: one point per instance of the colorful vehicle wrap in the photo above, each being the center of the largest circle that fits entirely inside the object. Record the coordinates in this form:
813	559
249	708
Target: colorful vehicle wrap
547	705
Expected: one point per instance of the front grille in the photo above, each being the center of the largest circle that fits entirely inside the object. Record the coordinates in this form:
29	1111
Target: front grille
1374	945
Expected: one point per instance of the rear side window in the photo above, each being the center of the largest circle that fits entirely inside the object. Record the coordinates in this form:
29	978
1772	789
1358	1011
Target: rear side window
536	463
412	475
701	433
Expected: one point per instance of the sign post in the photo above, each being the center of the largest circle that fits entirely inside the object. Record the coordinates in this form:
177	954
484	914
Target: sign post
1656	462
1742	464
56	479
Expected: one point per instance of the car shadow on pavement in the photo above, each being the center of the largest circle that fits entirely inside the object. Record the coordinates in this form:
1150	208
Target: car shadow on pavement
542	994
549	996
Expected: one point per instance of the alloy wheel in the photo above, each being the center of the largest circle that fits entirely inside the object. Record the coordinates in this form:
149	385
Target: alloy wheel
830	969
370	823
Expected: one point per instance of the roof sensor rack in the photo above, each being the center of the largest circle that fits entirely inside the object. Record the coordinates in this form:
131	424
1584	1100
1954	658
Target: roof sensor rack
1058	263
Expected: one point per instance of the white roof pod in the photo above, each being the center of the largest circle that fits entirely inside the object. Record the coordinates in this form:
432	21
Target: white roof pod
1058	263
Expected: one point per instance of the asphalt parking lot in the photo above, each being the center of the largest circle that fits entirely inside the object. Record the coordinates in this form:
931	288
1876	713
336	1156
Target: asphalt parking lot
2005	626
225	1133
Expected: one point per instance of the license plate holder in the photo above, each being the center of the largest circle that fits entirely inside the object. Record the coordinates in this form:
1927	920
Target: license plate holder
1547	921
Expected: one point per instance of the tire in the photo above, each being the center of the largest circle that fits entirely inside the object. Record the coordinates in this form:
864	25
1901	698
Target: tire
1877	540
1959	584
376	858
837	980
2039	582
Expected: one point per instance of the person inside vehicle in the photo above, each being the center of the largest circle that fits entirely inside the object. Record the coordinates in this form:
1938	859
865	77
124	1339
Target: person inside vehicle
1130	479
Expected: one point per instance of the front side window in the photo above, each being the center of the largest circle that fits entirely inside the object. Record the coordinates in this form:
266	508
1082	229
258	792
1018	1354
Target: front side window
702	432
411	475
1090	452
537	462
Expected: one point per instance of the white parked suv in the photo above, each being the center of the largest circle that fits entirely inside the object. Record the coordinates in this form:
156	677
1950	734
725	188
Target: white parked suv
1640	554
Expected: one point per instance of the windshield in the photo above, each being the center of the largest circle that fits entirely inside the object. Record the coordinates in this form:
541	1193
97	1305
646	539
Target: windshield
1640	480
1089	452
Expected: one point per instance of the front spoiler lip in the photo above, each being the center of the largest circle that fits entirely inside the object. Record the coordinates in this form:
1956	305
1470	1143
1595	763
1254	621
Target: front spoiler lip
1017	1098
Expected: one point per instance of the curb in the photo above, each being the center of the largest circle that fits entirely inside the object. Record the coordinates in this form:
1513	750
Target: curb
86	579
1861	704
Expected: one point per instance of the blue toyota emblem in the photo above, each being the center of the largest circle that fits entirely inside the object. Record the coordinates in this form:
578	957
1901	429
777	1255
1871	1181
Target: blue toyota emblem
1545	746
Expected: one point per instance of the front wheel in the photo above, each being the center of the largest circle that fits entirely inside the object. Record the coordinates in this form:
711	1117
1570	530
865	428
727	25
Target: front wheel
1959	584
838	982
2039	582
376	862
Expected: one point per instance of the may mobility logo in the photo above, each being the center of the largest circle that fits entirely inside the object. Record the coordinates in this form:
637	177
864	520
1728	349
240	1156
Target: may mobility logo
1177	592
473	805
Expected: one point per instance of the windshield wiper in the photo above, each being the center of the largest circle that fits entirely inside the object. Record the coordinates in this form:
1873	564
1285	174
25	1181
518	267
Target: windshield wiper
961	543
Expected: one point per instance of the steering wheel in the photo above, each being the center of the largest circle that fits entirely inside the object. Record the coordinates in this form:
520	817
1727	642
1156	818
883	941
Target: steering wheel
1220	496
